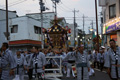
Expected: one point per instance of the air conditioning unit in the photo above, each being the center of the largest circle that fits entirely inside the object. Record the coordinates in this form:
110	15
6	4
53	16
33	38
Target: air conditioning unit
103	3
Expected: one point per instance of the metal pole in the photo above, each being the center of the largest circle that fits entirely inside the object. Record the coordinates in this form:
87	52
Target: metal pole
83	31
92	35
55	10
7	36
41	5
74	28
97	25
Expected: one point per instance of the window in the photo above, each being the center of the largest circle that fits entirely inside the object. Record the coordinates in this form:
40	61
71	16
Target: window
37	30
112	11
14	29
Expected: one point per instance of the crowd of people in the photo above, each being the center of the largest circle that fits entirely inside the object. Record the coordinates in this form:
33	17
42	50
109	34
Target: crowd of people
34	62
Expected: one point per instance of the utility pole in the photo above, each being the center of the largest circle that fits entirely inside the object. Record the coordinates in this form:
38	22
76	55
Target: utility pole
55	3
97	25
92	25
75	25
55	10
42	8
83	30
92	33
7	33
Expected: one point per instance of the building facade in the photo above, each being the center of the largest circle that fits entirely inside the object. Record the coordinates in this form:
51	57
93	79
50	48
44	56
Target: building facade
73	36
11	14
111	19
48	19
25	32
89	41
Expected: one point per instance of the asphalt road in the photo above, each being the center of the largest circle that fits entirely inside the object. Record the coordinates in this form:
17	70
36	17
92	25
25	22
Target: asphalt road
98	76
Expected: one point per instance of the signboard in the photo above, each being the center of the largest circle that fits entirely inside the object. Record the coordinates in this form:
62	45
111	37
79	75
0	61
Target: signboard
113	27
69	43
113	37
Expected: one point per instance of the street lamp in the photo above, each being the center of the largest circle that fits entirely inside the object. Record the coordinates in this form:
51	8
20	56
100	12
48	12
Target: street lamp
95	33
91	30
88	40
80	39
100	36
45	35
83	37
68	38
76	39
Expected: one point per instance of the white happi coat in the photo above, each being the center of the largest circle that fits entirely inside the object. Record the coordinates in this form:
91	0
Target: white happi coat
82	58
111	60
95	56
40	60
7	63
101	57
21	62
64	63
69	56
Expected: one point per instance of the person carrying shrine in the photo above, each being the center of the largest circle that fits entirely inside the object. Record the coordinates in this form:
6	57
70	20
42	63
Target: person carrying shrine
7	66
38	62
21	64
70	58
112	61
82	64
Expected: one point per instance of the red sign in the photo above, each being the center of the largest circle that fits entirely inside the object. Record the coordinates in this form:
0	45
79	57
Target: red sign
69	31
113	37
43	30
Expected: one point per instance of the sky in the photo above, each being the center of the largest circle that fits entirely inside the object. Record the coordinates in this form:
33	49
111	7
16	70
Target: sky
65	9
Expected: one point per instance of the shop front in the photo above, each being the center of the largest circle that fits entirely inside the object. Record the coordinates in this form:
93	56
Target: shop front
112	30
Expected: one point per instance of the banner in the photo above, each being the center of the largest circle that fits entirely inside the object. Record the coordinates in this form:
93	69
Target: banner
113	27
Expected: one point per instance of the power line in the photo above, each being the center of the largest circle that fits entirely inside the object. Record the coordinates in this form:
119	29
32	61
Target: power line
66	6
63	9
81	20
15	3
82	17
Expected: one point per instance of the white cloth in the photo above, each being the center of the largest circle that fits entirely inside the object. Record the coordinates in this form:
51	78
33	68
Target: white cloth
17	77
91	72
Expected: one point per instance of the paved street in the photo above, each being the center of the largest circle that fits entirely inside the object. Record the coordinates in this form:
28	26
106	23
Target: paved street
98	76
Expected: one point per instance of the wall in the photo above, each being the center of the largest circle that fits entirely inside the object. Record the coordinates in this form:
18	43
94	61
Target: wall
30	27
11	14
105	11
89	43
47	17
25	29
71	26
